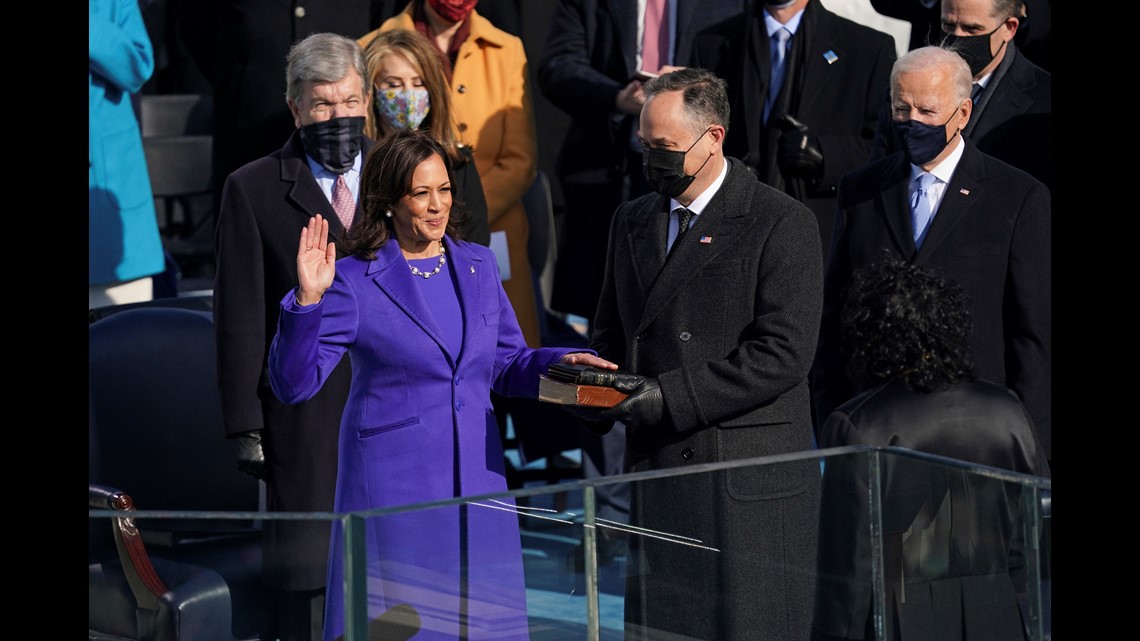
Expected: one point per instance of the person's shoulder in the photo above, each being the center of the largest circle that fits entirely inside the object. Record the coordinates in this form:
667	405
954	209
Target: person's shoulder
730	28
858	30
1012	179
256	170
484	29
473	249
741	182
867	180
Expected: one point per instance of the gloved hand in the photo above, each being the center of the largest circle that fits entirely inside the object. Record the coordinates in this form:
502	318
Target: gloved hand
250	455
644	407
798	152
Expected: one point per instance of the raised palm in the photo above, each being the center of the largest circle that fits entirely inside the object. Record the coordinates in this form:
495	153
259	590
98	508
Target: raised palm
316	260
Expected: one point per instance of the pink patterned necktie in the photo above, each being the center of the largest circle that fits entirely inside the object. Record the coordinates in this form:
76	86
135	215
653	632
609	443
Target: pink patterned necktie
655	40
342	202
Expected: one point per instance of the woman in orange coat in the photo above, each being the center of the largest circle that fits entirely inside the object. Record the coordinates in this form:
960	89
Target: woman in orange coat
487	69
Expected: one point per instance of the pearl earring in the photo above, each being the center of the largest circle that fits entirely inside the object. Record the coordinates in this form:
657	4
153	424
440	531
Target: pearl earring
388	213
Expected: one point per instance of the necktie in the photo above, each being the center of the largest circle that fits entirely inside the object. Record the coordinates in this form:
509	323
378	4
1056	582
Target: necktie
342	201
976	92
780	41
683	217
655	38
921	210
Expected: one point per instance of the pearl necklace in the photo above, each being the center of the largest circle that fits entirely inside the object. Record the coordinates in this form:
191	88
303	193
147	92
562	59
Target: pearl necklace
442	262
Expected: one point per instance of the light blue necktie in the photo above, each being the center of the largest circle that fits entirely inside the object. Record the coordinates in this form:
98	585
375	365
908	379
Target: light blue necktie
921	208
780	40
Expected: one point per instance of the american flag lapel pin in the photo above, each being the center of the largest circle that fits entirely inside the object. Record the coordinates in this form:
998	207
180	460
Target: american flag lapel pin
964	192
706	239
830	56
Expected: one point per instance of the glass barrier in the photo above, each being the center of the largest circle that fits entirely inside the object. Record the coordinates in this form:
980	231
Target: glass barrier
884	544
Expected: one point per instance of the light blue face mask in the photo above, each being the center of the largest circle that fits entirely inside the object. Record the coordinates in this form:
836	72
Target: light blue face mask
403	108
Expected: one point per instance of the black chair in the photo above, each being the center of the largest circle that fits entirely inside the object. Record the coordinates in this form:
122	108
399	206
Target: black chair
156	440
176	114
200	302
177	133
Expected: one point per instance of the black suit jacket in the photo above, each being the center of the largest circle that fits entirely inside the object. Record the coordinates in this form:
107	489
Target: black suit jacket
728	327
842	69
991	233
1011	122
954	538
265	204
589	57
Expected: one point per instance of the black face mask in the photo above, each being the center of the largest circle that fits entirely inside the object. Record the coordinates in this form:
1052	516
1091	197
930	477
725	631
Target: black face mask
665	169
334	143
975	50
920	142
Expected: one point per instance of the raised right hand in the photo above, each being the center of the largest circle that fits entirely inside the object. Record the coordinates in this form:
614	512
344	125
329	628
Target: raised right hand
316	261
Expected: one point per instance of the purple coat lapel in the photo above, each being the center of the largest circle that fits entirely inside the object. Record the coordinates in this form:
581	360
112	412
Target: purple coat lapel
389	272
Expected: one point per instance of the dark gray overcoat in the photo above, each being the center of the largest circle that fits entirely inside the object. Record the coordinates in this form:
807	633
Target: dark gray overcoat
728	325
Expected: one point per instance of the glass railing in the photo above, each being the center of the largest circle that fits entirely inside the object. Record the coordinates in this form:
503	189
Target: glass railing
886	543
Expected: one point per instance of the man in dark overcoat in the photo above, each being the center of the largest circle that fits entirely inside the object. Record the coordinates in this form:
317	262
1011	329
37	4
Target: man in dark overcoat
265	205
712	292
989	229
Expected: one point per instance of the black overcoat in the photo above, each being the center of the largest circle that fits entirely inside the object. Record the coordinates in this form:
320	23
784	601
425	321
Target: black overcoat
728	326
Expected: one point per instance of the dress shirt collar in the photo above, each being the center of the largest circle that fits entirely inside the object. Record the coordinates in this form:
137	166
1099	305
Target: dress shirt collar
771	24
326	179
945	169
700	202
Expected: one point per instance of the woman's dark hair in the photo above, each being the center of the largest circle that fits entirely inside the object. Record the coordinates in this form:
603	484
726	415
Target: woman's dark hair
901	320
386	178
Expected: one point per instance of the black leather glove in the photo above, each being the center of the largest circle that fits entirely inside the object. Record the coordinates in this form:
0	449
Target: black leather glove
799	153
644	407
250	455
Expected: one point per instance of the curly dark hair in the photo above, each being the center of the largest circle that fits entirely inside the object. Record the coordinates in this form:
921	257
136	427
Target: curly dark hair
385	178
901	320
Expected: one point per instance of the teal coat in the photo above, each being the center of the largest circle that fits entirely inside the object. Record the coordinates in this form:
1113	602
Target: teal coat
124	242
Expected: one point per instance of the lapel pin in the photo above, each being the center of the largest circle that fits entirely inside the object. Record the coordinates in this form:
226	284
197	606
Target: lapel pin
472	269
830	56
706	239
964	192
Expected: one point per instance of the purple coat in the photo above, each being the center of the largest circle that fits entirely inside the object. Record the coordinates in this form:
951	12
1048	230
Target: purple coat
418	426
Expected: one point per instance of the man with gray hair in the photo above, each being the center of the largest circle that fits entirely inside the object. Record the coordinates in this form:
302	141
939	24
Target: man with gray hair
941	203
265	205
711	298
1012	97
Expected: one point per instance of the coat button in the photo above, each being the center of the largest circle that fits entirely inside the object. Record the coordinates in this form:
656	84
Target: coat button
684	336
462	89
458	405
687	453
299	12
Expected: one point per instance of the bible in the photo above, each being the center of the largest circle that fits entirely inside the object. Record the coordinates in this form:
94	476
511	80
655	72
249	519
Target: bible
564	393
584	385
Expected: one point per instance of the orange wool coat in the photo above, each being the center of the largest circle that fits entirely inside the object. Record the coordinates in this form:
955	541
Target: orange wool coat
492	114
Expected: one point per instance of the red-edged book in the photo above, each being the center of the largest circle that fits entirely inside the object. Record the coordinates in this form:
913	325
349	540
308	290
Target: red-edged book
578	385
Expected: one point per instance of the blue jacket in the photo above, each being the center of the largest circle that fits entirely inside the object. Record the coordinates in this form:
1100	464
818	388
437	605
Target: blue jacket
124	242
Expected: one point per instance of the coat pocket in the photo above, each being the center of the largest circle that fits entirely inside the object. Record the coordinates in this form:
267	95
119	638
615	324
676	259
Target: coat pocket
761	482
380	429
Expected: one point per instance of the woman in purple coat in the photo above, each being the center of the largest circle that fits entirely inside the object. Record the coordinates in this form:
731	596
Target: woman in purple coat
430	333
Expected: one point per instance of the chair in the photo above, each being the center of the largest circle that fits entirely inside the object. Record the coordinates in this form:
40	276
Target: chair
177	133
200	302
176	114
156	440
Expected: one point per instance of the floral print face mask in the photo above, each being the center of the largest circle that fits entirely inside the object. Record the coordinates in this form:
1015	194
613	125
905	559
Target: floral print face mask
403	108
